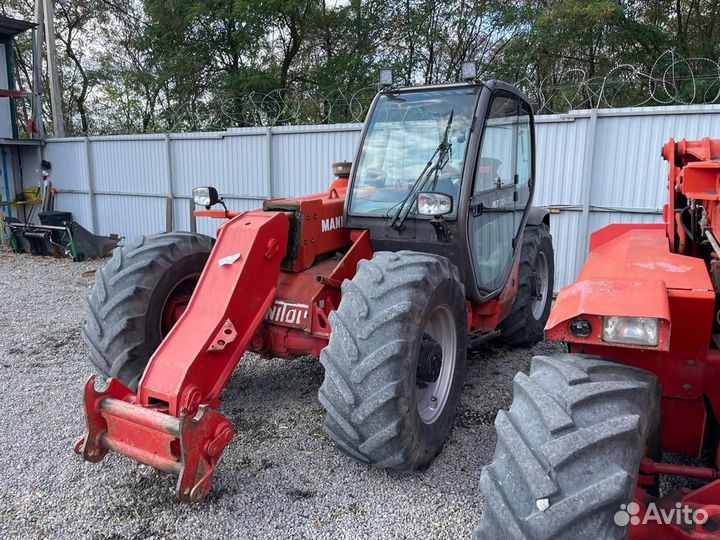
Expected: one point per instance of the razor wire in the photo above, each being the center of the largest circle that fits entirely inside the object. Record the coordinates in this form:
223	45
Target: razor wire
670	80
296	105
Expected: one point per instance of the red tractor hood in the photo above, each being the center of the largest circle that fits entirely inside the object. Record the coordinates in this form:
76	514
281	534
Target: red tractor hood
630	272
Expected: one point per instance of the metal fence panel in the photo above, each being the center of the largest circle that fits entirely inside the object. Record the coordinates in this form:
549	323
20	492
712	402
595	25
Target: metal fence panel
78	204
302	158
129	165
598	220
130	215
68	162
235	165
629	171
561	144
564	228
593	168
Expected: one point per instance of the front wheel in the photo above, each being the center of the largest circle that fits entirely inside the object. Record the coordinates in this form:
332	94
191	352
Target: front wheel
138	297
395	362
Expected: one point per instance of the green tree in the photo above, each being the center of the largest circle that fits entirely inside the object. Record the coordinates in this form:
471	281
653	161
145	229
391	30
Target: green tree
171	65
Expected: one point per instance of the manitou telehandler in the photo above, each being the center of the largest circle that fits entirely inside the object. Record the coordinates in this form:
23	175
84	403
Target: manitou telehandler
579	452
427	245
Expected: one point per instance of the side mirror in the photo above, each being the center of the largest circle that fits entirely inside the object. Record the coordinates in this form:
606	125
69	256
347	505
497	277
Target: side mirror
431	203
45	169
206	196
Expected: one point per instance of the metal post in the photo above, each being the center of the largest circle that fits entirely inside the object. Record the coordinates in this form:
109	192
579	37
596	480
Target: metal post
170	209
6	181
55	96
193	219
169	214
37	85
91	187
588	166
268	146
2	198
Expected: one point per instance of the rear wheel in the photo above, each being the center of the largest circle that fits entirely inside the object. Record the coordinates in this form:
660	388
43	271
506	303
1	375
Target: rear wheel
138	297
569	450
525	324
395	362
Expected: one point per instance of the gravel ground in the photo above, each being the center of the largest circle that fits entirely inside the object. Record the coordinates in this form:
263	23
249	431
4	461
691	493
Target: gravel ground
280	477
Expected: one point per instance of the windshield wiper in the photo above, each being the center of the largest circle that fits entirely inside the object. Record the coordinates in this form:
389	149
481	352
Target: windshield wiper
443	150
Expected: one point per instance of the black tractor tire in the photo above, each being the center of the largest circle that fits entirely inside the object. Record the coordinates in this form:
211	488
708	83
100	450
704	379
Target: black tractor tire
124	311
523	327
371	361
569	450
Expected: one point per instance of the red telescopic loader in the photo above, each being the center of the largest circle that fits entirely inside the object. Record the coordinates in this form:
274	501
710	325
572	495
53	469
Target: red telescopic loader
426	246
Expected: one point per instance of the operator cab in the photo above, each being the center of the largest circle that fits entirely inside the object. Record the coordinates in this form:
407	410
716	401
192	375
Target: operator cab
447	170
413	138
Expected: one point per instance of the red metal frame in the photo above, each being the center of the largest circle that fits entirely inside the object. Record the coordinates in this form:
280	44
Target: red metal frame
297	323
172	422
658	271
703	499
242	301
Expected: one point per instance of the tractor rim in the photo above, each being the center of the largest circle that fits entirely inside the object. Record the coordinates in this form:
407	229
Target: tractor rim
431	397
176	302
540	287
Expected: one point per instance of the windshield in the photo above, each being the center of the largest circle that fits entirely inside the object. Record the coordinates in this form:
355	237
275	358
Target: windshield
413	137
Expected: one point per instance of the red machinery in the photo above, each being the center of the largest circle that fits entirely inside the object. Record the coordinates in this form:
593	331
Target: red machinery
16	94
647	297
405	269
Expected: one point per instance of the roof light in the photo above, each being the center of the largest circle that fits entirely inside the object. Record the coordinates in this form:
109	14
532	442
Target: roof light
468	71
386	77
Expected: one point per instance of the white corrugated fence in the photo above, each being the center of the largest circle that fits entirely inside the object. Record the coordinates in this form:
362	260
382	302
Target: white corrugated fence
593	168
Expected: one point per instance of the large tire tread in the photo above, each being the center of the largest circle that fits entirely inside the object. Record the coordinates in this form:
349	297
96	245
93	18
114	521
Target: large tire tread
568	450
115	329
369	355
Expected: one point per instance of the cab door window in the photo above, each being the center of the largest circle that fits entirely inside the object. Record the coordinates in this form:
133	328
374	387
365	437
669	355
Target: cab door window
493	224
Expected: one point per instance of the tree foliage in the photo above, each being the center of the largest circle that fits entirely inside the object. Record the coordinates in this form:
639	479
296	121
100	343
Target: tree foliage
132	66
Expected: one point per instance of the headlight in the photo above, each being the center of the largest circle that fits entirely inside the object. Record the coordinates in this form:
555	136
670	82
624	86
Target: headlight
580	328
205	196
631	330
